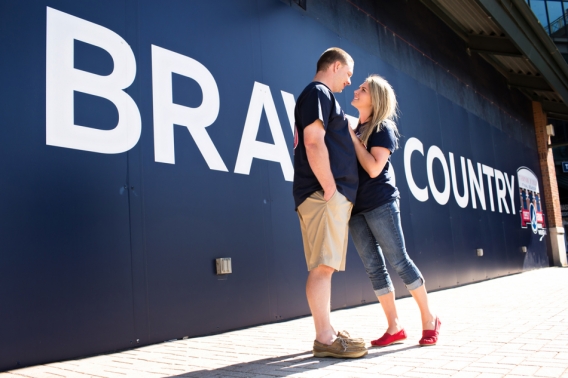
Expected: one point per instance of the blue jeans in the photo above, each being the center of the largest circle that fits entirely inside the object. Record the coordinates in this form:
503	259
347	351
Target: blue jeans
376	234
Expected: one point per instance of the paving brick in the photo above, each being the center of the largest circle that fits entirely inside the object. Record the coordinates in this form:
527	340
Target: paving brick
455	365
398	370
439	372
490	365
465	374
222	373
312	374
488	370
513	360
65	373
549	372
492	359
562	356
348	375
413	374
544	362
525	370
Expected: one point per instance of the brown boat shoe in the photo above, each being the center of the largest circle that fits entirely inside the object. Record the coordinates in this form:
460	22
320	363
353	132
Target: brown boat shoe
356	340
340	348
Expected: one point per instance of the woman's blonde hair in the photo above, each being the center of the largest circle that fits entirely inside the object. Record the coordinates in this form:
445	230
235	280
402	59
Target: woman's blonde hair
385	108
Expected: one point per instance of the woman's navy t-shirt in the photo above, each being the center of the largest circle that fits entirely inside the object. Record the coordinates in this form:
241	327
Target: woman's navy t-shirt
318	102
375	192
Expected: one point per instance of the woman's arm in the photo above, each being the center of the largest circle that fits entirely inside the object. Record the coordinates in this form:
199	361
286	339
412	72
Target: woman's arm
373	162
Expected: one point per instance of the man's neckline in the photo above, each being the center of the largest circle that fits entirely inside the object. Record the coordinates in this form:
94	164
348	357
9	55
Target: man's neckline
325	85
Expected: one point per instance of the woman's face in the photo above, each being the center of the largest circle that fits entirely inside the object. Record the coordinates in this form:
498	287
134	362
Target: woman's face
362	97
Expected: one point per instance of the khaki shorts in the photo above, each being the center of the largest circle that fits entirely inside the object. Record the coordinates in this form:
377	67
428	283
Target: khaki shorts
324	229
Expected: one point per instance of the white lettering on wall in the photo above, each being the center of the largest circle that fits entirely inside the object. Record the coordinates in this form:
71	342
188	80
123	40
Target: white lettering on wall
462	201
441	197
62	79
476	185
488	171
501	191
503	185
413	144
251	148
510	190
167	114
289	104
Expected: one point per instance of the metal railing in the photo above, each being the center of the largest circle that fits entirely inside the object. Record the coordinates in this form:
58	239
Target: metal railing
557	24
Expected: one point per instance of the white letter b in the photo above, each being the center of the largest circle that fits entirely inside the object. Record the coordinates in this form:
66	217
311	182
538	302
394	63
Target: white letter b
62	79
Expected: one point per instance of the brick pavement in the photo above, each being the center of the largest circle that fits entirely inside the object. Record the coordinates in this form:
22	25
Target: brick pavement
515	326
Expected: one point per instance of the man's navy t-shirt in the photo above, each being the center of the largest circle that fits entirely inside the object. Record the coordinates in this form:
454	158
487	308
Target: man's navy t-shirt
318	102
375	192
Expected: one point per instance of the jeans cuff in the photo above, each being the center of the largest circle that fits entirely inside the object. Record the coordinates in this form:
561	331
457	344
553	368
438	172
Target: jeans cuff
416	284
384	291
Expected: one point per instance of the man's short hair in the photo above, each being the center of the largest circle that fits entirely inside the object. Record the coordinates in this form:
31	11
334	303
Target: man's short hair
332	55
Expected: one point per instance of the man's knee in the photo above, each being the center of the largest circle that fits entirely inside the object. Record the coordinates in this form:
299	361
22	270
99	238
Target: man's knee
322	271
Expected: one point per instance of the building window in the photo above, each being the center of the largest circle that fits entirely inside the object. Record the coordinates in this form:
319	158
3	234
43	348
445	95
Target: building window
552	15
557	24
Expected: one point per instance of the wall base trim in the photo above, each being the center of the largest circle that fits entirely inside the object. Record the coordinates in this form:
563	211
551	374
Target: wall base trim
557	245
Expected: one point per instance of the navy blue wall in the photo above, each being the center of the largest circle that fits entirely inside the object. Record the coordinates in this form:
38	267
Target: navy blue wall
100	252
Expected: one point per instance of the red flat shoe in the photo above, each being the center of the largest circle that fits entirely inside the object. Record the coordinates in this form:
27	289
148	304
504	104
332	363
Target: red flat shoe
388	339
430	337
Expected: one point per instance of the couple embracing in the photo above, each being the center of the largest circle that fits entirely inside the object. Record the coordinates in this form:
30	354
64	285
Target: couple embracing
343	184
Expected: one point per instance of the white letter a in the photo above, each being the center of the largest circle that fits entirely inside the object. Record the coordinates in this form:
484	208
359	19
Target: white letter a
251	148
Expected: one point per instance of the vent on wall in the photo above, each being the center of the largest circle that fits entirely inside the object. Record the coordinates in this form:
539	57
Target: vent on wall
224	265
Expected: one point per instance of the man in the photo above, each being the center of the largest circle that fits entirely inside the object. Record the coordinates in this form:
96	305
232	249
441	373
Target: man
325	186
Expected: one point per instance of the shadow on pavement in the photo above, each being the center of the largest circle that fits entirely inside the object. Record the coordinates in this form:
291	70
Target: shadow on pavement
283	366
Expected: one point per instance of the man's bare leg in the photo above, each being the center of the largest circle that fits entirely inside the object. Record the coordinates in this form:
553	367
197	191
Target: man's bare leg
318	292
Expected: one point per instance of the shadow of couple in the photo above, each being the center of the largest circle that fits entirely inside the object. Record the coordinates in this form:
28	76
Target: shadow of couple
286	365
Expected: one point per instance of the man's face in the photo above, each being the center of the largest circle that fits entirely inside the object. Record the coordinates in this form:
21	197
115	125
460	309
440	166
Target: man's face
343	73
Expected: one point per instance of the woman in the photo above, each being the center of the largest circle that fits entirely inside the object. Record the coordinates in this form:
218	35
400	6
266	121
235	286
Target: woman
375	221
